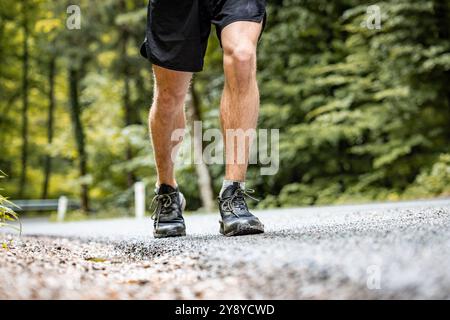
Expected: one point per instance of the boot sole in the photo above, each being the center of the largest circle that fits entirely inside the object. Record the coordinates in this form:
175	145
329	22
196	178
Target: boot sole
242	229
169	235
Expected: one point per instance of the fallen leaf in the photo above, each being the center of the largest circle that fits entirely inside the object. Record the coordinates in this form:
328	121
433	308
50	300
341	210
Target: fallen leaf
96	259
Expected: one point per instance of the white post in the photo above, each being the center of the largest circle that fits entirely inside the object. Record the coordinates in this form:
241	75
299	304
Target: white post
139	199
62	208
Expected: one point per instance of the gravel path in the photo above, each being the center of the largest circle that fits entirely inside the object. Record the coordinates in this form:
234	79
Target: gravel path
391	250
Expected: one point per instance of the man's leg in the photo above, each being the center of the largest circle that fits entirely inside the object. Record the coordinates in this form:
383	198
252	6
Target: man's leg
167	115
240	99
239	112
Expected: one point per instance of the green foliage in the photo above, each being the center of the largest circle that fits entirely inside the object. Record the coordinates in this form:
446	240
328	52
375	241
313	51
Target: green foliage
7	214
432	181
363	112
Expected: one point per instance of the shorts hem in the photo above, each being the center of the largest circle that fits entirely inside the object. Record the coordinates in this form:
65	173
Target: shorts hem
173	67
169	66
236	19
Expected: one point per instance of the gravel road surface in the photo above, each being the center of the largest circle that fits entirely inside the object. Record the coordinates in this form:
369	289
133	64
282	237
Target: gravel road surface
389	250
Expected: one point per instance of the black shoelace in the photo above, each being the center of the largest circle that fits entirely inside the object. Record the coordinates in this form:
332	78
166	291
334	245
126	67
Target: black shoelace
237	200
160	203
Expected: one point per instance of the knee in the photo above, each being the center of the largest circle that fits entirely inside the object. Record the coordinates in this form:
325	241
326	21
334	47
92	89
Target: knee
242	58
169	99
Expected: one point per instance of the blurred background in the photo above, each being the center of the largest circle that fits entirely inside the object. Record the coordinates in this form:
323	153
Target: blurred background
363	106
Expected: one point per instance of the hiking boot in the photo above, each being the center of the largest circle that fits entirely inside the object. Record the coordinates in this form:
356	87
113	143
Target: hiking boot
236	219
169	204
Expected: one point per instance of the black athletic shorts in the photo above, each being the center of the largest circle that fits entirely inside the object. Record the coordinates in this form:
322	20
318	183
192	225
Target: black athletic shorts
178	30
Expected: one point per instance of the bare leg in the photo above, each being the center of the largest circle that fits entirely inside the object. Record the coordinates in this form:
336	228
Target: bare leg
240	99
166	116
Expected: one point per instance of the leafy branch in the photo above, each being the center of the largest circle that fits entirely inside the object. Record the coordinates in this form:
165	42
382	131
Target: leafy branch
7	214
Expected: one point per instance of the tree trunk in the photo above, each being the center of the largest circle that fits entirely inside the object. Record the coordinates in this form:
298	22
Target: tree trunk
50	118
128	108
203	175
442	10
75	114
24	131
